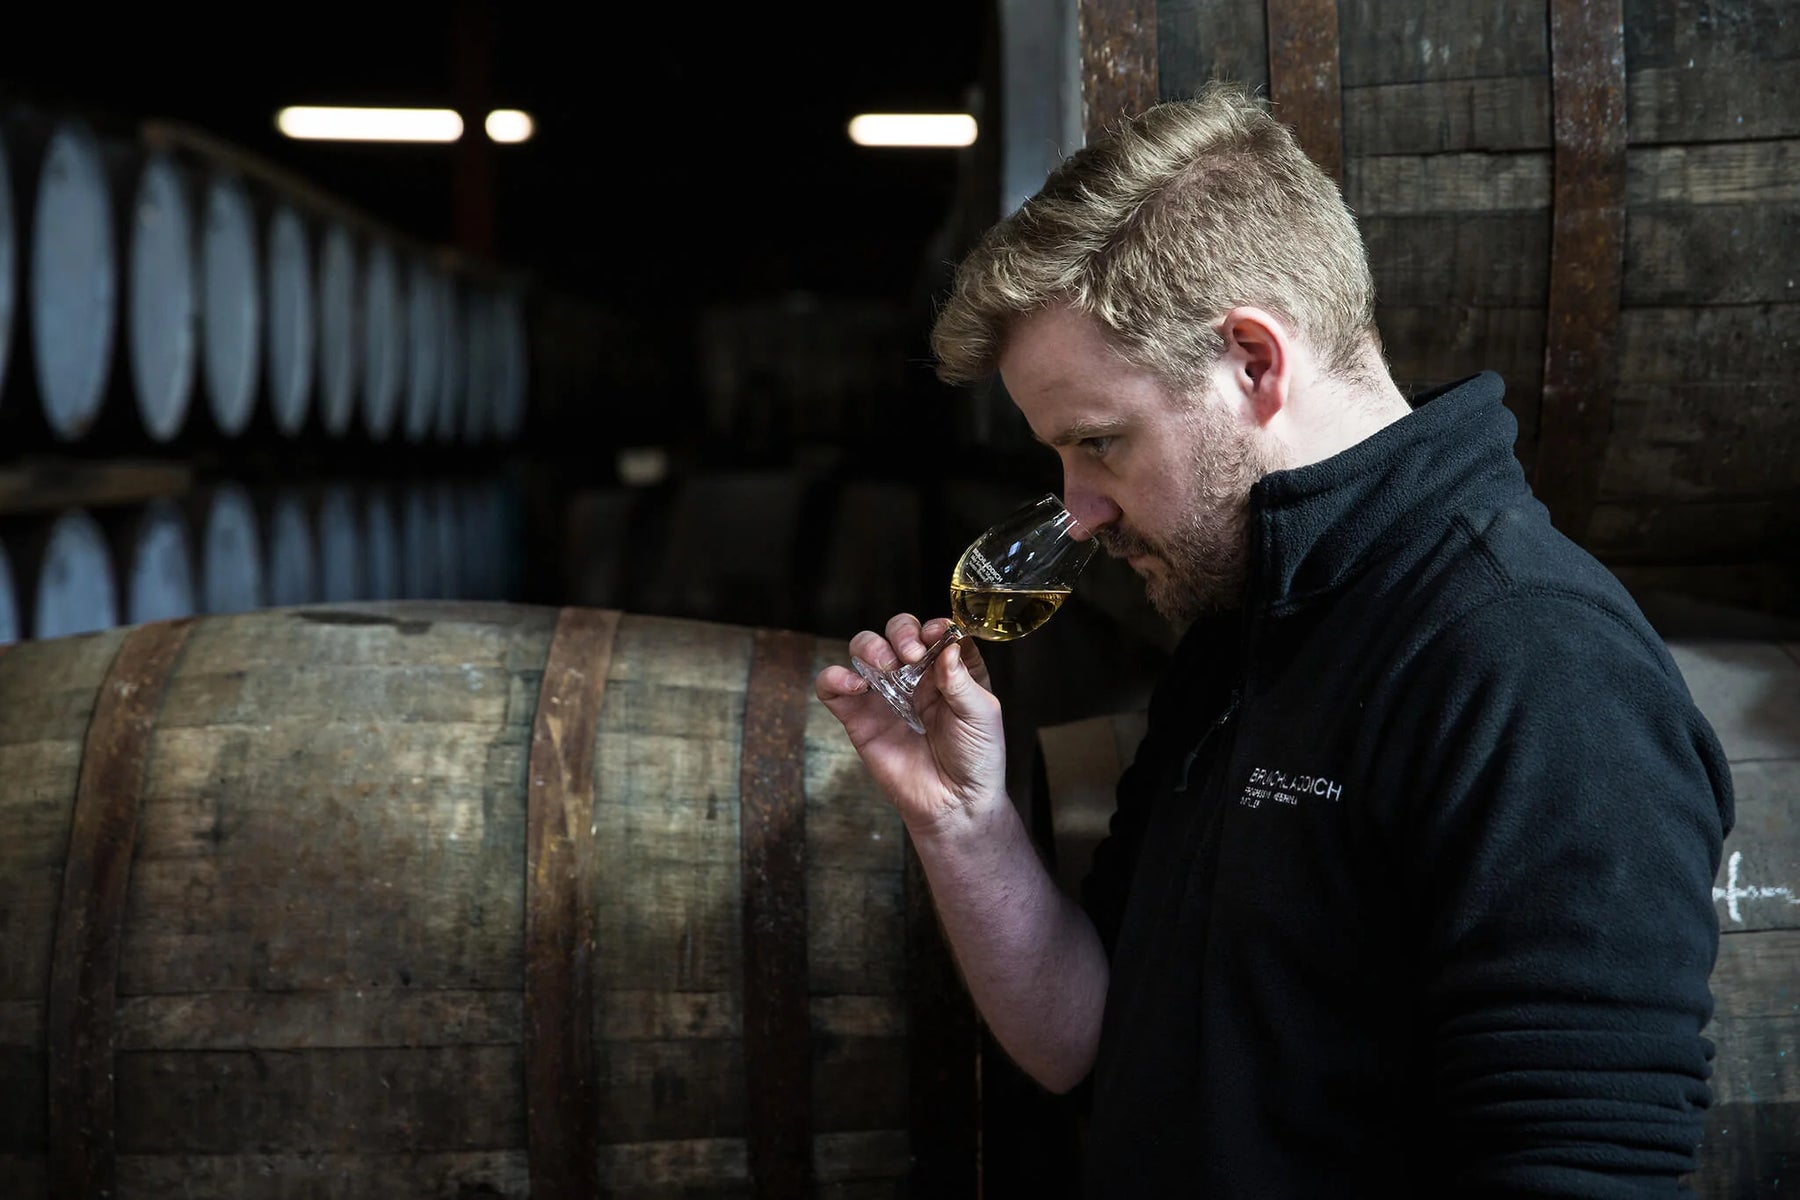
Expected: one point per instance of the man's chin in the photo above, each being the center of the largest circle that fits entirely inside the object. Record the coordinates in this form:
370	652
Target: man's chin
1182	606
1172	604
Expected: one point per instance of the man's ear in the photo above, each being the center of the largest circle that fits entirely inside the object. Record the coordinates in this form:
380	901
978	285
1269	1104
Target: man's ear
1260	352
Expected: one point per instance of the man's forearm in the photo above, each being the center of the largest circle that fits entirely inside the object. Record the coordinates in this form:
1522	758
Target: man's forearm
1029	954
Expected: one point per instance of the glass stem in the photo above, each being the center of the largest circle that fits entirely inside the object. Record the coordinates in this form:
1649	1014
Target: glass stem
913	672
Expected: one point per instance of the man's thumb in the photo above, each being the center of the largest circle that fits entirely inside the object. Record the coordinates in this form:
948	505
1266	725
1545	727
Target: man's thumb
966	698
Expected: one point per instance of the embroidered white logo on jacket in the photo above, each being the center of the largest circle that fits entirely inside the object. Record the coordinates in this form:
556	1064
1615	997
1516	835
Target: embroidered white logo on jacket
1283	787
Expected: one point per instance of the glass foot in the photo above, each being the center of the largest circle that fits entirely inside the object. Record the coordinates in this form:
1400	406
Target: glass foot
892	687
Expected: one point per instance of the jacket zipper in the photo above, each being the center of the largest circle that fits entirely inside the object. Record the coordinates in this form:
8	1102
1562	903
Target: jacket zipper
1219	722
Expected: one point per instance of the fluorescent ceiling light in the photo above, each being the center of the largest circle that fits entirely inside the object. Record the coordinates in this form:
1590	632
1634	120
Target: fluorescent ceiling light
370	124
509	125
913	129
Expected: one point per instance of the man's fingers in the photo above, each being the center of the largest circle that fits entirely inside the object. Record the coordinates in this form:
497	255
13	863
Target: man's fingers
904	636
873	649
835	682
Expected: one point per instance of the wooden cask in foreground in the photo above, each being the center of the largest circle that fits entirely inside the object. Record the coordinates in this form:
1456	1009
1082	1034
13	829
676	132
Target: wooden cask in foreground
433	899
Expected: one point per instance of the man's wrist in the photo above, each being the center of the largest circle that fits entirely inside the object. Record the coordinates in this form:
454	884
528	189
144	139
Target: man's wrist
975	819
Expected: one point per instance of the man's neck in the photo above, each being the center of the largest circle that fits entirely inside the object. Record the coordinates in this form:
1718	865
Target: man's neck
1337	414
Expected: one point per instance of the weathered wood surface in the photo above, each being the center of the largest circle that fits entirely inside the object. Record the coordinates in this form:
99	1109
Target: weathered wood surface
1118	59
1731	103
1669	33
1449	138
1753	1131
1701	441
1753	991
943	1092
1727	173
1699	346
320	984
1651	531
1587	253
1728	101
562	1119
1478	259
1392	185
1712	255
1417	41
1201	40
1429	346
1704	418
1494	114
84	965
1750	693
50	485
1482	181
325	1176
776	917
1304	88
48	693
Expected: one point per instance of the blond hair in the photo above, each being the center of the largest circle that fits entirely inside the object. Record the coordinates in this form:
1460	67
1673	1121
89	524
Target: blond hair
1159	227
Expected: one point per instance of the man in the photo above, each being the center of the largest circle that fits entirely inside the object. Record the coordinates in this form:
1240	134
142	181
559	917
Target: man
1408	891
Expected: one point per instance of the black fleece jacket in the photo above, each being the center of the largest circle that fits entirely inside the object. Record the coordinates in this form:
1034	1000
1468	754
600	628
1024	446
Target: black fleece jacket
1408	891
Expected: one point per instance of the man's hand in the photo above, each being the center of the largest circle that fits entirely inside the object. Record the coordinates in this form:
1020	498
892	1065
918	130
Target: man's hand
960	763
1030	957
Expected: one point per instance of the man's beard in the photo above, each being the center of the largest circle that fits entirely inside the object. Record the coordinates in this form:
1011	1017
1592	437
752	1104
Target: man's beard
1206	557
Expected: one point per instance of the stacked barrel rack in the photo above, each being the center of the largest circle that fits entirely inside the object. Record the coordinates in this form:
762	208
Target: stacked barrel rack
223	388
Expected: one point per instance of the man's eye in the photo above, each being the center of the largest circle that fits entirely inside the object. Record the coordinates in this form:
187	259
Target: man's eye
1097	446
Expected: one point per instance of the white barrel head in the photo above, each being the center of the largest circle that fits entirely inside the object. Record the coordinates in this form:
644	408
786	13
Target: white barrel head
231	304
384	341
231	562
342	555
162	299
74	281
424	351
160	583
340	295
385	573
480	357
512	365
76	588
9	603
420	550
293	570
453	368
293	325
452	566
9	265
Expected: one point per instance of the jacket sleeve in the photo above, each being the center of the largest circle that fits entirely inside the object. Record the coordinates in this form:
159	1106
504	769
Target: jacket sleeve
1564	813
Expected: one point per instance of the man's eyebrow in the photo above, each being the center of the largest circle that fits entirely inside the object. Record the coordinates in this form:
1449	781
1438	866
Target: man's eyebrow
1079	431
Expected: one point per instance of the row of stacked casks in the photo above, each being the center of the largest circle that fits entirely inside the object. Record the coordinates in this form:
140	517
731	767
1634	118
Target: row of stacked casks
232	548
154	287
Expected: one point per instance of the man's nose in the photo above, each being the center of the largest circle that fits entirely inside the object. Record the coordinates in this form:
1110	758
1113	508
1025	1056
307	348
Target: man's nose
1094	509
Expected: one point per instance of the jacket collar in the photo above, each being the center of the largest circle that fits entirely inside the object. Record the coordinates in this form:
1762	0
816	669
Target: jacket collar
1313	528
